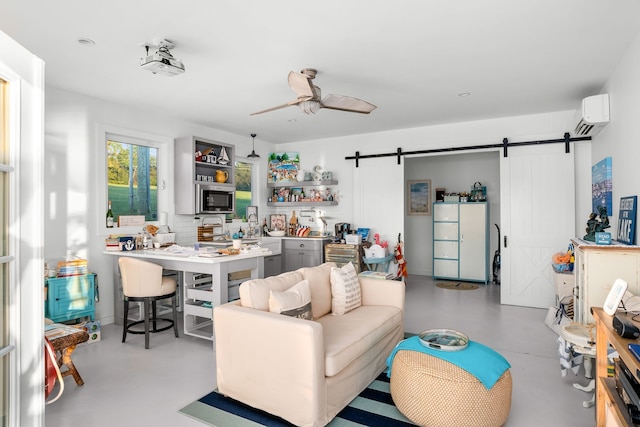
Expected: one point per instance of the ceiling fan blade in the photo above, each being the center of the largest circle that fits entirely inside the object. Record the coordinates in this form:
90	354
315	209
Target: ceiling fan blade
278	107
302	85
347	103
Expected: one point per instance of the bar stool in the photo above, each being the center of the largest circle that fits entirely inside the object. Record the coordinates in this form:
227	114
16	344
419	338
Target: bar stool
143	281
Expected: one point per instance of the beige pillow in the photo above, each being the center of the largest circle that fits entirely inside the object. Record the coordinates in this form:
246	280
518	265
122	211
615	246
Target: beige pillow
294	302
345	289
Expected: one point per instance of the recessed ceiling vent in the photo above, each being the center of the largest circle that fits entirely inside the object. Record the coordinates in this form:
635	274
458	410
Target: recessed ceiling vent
161	61
593	115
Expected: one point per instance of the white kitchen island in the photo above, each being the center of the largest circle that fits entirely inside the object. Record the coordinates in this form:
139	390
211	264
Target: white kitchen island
204	280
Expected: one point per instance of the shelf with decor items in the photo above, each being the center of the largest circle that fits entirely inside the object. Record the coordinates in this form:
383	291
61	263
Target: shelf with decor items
323	199
610	408
200	161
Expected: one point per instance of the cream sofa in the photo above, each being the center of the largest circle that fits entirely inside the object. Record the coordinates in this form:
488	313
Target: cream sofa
305	371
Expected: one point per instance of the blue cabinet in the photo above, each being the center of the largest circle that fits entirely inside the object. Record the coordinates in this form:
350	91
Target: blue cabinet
70	298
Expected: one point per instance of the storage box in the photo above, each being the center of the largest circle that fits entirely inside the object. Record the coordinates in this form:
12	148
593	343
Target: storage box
603	238
127	243
164	238
353	239
93	329
455	198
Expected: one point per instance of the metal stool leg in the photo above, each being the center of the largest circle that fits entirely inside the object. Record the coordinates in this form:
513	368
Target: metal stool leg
125	320
146	323
175	314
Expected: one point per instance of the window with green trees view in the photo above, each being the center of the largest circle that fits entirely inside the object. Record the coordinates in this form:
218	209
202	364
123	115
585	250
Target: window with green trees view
132	179
243	188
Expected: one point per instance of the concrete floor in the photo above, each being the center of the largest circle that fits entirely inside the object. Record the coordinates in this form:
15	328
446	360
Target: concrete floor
126	385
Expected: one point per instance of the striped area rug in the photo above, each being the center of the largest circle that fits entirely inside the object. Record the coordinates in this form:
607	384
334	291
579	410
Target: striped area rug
373	407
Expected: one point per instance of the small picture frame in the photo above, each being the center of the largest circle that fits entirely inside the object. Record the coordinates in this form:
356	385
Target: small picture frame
278	222
252	213
419	197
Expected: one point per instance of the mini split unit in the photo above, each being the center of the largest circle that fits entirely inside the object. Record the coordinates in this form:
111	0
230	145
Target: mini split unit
593	115
161	62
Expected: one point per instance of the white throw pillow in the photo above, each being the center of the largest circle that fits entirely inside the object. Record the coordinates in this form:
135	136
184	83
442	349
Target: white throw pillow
345	289
294	302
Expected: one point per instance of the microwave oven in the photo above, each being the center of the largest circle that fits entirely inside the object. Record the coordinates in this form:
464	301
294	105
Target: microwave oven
214	199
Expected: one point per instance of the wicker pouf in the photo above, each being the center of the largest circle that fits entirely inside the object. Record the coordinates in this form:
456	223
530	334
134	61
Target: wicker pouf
433	392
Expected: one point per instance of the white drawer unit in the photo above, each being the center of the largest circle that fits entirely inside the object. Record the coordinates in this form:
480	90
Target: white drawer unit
460	241
446	250
445	268
198	299
445	231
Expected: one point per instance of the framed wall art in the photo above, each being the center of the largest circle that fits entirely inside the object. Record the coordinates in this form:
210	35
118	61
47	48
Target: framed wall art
278	221
627	220
419	197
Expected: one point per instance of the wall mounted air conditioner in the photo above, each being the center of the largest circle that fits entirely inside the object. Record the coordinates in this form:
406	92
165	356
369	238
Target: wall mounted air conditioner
593	115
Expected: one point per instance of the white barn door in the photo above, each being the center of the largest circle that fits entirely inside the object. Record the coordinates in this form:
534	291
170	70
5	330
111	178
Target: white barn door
378	199
537	220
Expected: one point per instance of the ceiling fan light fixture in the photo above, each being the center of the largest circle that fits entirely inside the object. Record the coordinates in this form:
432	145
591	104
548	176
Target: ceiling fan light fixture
309	107
253	154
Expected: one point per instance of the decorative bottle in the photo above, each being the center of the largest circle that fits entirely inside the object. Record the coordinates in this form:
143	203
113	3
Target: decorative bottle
293	224
109	216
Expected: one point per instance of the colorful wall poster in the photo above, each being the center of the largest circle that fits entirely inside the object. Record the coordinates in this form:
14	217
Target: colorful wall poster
283	167
627	220
601	186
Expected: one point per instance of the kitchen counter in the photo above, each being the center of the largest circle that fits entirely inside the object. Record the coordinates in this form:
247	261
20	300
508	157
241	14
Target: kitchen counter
187	260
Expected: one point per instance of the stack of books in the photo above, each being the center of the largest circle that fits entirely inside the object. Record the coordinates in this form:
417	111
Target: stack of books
112	243
376	275
77	267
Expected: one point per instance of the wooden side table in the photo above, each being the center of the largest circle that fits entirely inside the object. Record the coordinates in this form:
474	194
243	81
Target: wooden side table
65	345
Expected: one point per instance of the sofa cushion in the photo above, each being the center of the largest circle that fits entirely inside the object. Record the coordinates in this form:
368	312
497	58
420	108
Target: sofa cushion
294	302
320	284
255	293
345	289
349	336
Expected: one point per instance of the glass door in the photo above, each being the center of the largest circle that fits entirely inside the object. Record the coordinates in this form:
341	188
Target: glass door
6	347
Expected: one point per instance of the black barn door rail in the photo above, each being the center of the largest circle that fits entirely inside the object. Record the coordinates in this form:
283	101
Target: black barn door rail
504	145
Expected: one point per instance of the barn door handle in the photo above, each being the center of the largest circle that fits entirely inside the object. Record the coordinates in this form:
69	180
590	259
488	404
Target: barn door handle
505	241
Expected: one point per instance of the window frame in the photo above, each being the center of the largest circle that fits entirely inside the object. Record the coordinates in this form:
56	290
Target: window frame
165	196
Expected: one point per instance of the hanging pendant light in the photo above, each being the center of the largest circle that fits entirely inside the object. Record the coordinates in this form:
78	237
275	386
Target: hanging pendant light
253	154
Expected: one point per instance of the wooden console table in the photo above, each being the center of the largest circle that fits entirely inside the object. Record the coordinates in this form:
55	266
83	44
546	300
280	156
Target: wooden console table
610	410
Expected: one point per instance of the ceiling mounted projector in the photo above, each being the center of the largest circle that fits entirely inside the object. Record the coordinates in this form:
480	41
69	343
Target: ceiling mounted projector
161	62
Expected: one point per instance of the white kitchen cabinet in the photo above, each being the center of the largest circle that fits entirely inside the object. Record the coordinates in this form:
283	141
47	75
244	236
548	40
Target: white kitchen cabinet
461	241
596	268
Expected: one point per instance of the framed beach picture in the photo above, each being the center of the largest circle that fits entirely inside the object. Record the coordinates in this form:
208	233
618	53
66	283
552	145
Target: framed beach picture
419	197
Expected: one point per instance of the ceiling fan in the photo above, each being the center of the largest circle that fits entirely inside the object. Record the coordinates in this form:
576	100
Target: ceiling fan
310	100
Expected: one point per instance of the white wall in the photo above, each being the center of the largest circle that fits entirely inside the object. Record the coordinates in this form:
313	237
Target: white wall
71	172
331	153
620	139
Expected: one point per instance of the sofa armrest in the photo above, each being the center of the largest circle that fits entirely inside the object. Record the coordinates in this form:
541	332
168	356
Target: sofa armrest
270	361
382	292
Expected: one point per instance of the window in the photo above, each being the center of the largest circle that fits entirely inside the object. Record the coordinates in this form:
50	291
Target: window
135	176
132	179
243	177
